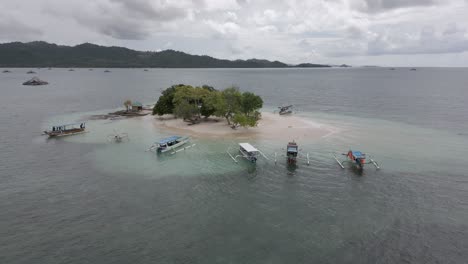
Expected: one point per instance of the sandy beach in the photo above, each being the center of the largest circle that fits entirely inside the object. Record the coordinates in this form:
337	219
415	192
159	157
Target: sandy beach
271	126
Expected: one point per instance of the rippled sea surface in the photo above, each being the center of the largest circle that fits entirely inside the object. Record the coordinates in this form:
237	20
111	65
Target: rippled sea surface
83	200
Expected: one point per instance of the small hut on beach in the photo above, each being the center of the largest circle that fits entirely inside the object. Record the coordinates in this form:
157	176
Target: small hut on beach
137	106
35	81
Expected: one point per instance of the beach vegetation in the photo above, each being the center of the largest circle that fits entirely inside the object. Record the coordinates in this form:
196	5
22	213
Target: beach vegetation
165	103
192	103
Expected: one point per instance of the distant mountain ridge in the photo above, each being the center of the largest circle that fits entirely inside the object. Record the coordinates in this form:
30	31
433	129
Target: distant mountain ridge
43	54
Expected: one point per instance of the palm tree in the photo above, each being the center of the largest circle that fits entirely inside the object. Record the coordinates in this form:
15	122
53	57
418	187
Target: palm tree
127	104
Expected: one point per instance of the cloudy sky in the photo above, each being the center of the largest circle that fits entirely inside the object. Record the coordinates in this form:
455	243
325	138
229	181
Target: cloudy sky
357	32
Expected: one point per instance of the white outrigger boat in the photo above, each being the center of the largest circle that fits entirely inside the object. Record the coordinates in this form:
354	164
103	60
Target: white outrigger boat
170	143
248	152
66	130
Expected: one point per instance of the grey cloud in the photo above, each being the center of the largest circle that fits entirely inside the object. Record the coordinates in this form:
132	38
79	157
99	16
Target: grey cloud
11	28
129	31
145	9
452	40
383	5
127	19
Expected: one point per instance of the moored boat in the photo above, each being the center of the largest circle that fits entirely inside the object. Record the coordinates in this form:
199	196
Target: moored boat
357	158
291	152
35	81
170	143
283	110
66	130
249	152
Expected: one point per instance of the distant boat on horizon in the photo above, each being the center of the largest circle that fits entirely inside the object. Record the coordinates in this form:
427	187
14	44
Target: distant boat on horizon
412	69
71	70
107	71
31	72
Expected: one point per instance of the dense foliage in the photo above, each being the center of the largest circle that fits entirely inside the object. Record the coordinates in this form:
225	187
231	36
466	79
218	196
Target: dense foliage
43	54
193	103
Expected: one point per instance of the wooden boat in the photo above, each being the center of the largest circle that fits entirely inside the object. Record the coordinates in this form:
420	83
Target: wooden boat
107	71
284	110
249	152
6	71
291	152
66	130
169	143
35	81
357	158
31	72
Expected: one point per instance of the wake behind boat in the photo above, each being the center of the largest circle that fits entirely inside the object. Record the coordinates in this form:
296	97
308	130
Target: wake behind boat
66	130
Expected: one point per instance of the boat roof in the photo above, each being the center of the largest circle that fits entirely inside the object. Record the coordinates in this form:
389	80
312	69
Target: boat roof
136	103
74	124
247	147
292	149
358	154
169	139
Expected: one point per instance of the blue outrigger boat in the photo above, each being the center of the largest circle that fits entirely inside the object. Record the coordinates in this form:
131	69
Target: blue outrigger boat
358	158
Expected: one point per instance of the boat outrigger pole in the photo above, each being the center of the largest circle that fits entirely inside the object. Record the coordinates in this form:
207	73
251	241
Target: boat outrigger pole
341	164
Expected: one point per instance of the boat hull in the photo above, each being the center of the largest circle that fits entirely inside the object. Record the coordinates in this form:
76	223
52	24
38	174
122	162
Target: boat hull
285	112
64	133
181	143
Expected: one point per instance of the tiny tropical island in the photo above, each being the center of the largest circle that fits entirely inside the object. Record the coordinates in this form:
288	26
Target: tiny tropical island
205	111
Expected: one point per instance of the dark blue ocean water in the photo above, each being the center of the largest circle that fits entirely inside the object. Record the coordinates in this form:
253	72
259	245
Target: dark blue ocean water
63	201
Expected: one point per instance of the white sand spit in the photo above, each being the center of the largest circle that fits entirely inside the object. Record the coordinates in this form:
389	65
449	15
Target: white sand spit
271	126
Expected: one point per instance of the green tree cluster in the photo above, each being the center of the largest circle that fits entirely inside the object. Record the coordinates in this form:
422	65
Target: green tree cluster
193	103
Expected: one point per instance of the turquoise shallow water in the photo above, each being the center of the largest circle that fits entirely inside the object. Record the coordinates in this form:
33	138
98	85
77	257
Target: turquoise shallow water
82	199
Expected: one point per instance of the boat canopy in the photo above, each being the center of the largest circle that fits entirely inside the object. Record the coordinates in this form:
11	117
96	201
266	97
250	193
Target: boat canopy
358	154
168	139
67	125
292	149
247	147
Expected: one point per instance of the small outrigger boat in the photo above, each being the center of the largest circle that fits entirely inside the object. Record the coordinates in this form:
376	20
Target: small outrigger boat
291	152
284	110
169	143
247	152
35	81
118	137
107	71
66	130
358	158
31	72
